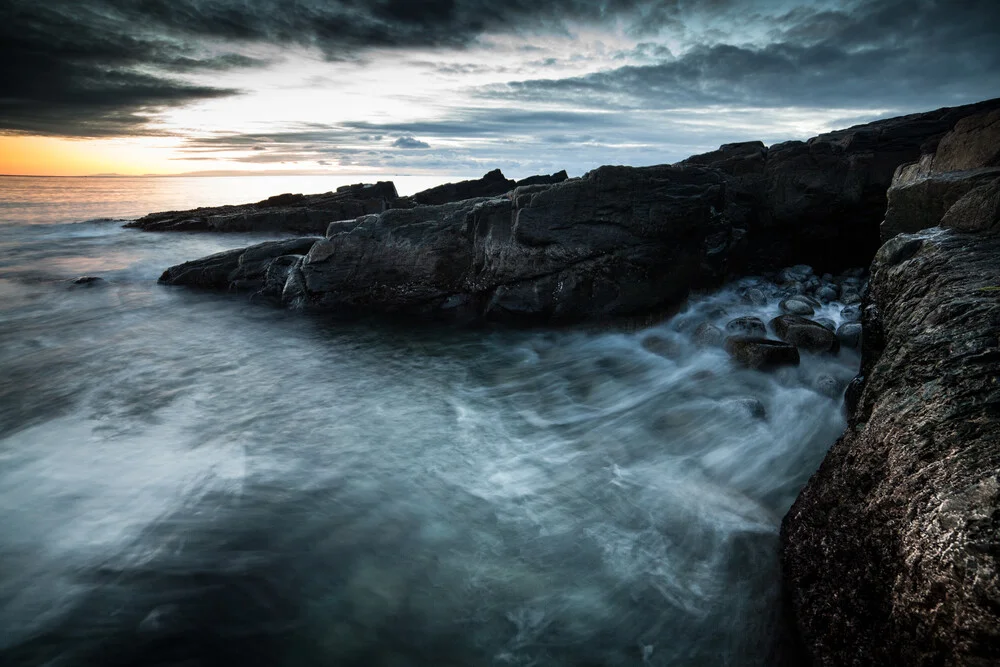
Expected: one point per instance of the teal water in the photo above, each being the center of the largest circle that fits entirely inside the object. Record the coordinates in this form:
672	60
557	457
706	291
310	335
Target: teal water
186	479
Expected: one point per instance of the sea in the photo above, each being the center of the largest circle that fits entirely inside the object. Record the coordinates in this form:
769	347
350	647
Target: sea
189	479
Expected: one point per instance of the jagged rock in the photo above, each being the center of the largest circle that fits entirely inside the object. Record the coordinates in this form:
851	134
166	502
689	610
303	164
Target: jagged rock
918	200
761	353
826	197
618	241
542	179
300	214
891	554
738	159
747	326
805	334
965	168
241	269
490	185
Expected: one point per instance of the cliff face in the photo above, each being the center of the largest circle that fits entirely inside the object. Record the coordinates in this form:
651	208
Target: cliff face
891	553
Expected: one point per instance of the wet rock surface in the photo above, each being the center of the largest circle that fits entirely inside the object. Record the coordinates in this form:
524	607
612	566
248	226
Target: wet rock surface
890	554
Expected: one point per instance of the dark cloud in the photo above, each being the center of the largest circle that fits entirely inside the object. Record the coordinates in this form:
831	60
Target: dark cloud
108	67
104	67
888	54
409	142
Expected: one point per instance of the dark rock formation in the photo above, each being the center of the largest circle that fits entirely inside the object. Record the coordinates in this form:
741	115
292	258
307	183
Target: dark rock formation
891	553
542	179
963	174
622	240
490	185
761	353
242	268
300	214
619	241
820	201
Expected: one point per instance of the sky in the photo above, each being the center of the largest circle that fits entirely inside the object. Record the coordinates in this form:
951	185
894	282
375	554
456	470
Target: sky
463	86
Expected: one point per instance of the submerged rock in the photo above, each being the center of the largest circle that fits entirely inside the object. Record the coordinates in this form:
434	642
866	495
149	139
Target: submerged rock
891	554
88	281
761	353
747	326
708	335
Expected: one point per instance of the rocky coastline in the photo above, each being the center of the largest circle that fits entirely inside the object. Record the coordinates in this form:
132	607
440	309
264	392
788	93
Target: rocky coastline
890	555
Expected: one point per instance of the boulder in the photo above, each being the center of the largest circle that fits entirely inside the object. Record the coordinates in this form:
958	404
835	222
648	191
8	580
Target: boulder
826	323
747	326
761	353
891	554
805	334
490	185
294	213
796	307
849	334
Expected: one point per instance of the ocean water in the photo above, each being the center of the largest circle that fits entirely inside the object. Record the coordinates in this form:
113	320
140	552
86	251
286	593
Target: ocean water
187	479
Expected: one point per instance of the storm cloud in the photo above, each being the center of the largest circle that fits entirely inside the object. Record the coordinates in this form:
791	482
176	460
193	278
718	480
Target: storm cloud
694	74
898	55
